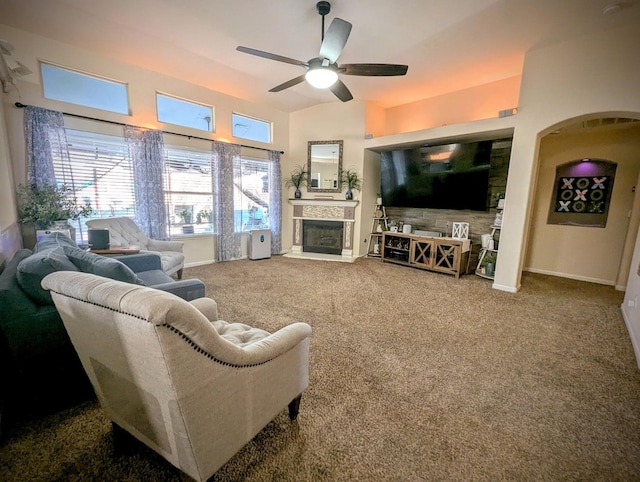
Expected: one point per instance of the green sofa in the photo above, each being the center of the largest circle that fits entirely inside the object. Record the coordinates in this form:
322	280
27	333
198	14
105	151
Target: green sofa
39	370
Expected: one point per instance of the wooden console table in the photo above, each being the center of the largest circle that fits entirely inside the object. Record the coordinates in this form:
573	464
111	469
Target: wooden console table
446	255
115	251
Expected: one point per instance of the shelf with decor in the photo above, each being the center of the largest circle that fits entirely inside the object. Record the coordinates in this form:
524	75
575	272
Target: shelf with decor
379	224
489	252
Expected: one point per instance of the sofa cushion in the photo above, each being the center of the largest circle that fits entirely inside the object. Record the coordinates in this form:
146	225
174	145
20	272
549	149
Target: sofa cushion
238	333
154	277
53	240
33	268
100	265
13	299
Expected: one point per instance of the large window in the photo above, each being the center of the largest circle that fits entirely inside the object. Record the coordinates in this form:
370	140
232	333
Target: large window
98	170
189	191
84	89
251	196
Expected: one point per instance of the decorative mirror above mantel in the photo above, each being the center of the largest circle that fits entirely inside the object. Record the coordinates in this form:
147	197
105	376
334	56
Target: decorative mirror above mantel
324	166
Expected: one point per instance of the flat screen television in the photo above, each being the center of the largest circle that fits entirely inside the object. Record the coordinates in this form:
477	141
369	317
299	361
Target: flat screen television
451	176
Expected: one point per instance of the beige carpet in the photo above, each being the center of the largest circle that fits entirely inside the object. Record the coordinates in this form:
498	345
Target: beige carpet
414	376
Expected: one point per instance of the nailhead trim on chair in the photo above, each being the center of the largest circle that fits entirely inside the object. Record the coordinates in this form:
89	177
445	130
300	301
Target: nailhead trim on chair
173	329
209	355
100	306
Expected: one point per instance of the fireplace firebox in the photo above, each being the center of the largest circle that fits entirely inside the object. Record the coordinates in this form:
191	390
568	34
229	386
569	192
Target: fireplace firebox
322	236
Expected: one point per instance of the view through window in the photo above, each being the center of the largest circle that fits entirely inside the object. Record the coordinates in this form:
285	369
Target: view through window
84	89
249	128
251	196
99	171
184	113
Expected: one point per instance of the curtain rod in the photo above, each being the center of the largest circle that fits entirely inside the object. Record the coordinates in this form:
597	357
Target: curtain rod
20	105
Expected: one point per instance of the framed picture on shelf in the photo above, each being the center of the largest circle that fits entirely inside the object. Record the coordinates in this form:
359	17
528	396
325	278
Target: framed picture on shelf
498	220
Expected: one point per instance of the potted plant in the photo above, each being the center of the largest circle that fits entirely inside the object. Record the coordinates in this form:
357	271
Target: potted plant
205	214
185	214
351	179
489	263
49	205
297	178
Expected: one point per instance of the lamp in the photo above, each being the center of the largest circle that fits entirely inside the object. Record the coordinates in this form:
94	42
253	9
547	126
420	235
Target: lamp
321	74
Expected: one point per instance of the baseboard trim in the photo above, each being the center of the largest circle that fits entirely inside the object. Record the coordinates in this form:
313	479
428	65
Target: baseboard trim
508	289
571	276
198	263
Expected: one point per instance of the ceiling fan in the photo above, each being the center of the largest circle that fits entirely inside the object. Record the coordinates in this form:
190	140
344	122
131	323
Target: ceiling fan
9	75
322	71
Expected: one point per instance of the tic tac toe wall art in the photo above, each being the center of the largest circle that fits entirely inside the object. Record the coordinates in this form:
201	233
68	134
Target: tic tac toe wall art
582	192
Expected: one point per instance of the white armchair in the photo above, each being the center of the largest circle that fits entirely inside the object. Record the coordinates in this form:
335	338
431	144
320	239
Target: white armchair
123	231
193	388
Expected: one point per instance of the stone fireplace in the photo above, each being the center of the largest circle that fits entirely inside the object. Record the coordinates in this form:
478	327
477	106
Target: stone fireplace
323	229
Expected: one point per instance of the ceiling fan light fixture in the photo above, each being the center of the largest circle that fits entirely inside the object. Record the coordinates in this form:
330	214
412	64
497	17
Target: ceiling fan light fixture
321	77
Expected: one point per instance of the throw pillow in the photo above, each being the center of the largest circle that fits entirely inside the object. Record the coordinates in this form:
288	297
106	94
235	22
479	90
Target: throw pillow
100	265
33	268
53	240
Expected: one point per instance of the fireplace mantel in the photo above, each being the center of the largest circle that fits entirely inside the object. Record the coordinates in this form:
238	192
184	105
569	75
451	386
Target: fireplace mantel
329	210
323	202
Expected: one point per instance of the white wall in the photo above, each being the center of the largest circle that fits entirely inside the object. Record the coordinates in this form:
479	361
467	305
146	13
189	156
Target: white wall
10	240
325	122
631	304
594	74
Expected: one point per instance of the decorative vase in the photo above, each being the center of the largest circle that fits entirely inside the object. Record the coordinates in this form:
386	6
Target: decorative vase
298	193
489	269
348	195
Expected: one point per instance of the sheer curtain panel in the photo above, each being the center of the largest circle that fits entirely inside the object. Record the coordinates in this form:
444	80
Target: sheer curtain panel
146	149
227	173
44	132
275	202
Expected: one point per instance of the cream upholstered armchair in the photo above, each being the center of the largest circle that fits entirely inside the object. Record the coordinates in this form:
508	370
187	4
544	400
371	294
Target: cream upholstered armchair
123	231
193	388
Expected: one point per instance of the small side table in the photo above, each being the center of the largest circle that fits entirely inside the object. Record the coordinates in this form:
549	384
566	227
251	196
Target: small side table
115	251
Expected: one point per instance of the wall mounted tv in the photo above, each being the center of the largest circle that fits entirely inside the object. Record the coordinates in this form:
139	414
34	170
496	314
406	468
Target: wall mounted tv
466	175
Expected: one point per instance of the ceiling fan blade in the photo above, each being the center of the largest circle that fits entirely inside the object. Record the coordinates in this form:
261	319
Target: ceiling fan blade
270	56
374	70
287	84
5	47
335	39
341	92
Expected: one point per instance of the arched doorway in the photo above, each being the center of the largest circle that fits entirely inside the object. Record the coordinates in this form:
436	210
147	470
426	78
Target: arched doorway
595	254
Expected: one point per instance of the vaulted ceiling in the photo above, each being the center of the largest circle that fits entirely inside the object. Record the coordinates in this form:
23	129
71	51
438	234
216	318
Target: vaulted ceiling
448	44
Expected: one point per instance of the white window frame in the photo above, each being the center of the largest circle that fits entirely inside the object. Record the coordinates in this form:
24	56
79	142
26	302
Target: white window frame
182	100
71	97
235	133
191	158
245	225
